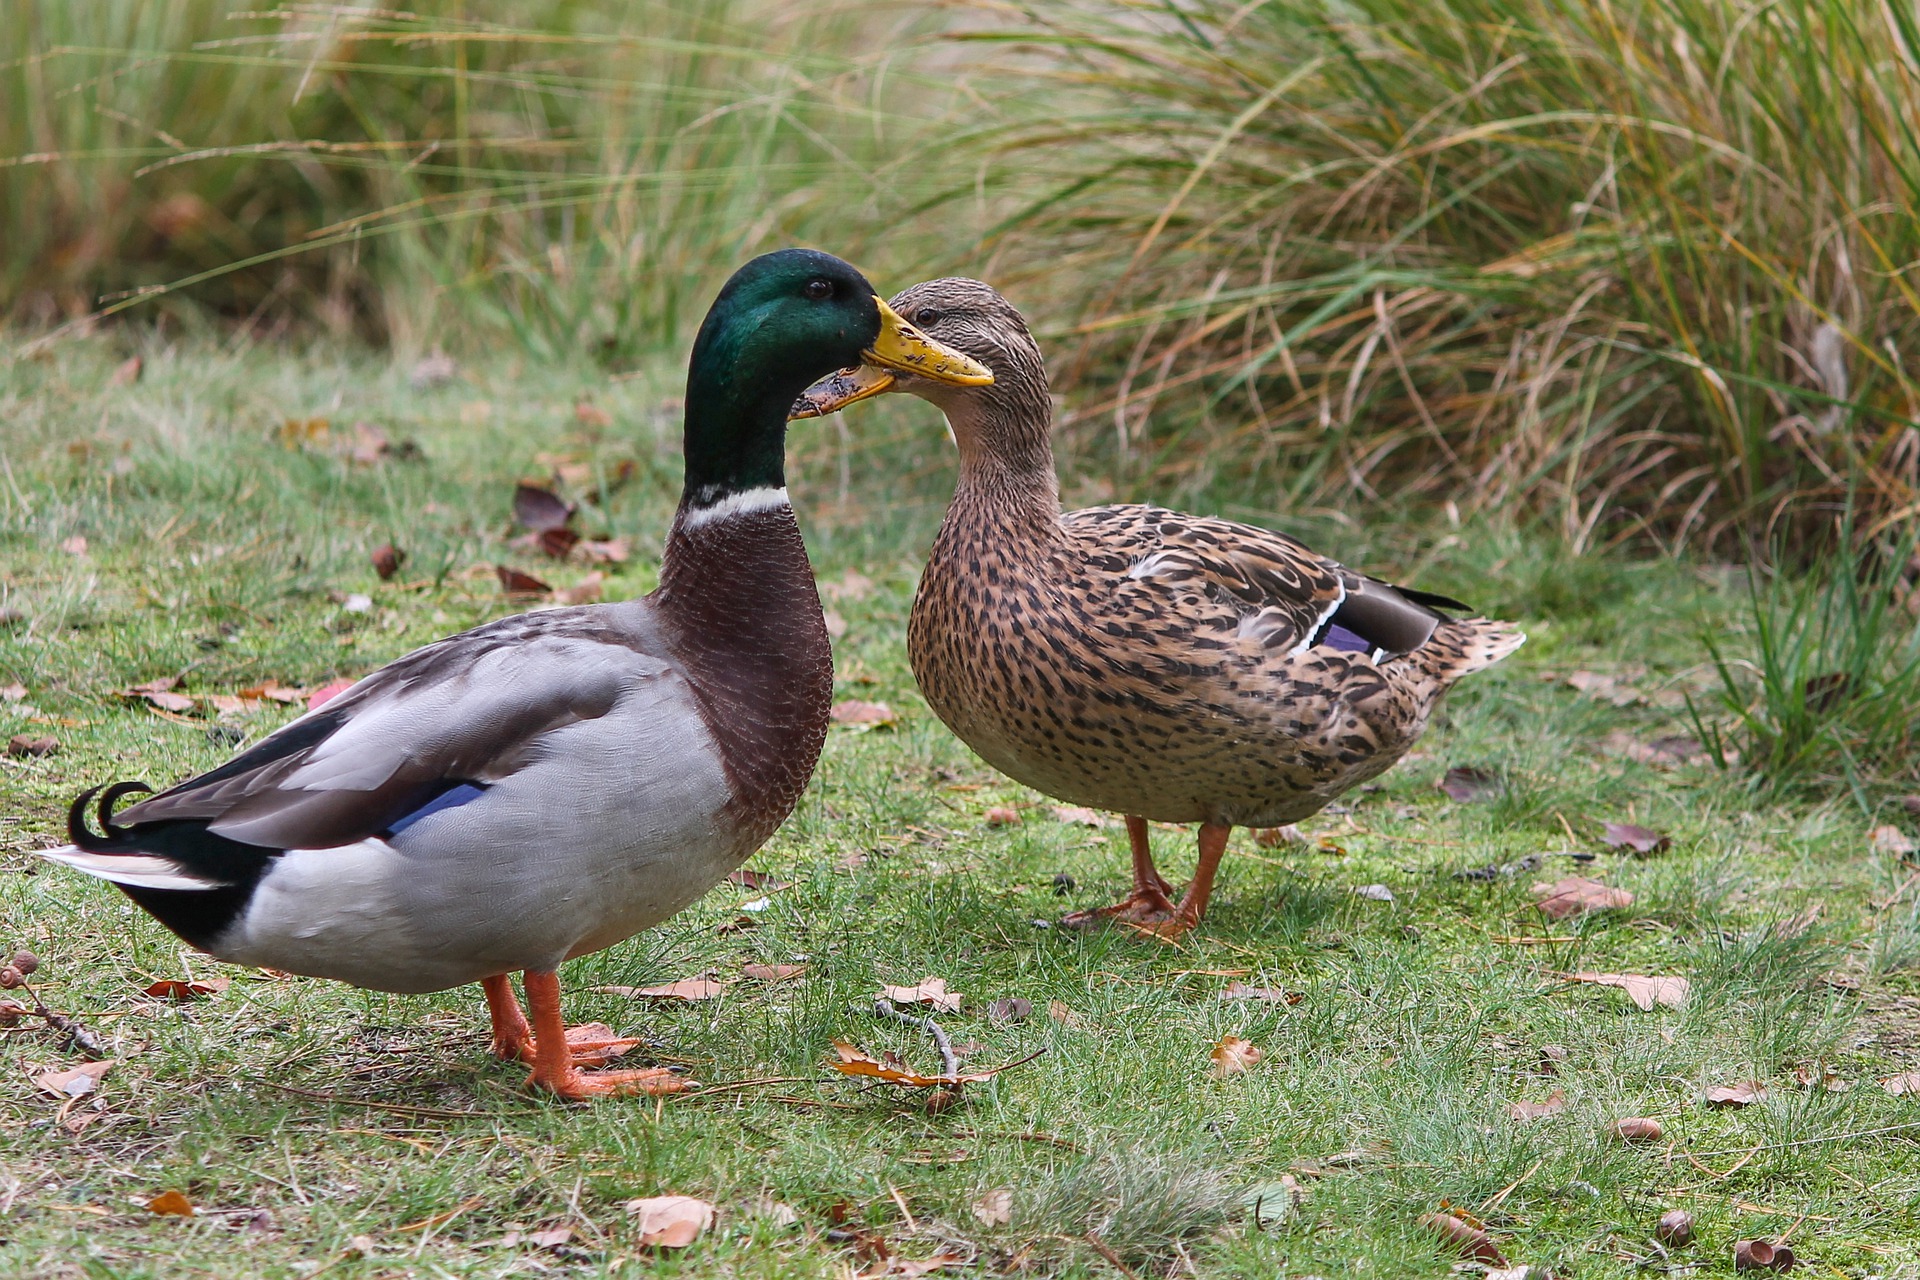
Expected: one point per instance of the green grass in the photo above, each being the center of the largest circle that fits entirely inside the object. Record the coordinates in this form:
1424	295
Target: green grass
211	550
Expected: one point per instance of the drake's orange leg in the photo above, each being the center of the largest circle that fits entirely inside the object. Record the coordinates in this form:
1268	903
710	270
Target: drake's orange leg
1152	897
553	1056
512	1037
1193	904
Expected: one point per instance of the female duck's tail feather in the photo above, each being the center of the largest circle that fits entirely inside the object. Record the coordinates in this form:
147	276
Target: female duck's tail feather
1461	648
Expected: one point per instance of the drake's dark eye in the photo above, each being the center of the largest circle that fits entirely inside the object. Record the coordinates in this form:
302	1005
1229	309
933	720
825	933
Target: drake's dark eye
929	317
819	290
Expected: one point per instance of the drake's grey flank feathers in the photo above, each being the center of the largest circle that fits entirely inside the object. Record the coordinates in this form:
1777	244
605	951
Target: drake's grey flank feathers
1168	667
550	784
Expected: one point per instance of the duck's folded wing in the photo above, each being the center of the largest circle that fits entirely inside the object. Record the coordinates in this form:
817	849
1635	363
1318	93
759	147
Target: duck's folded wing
1282	595
465	712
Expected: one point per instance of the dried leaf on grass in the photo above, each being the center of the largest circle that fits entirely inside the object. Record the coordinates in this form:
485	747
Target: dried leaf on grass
1643	990
127	372
180	990
585	591
1552	1105
1635	1129
670	1222
1822	1079
1577	895
540	509
1010	1009
32	744
1237	990
1905	1082
1742	1093
74	1082
772	972
703	987
172	1204
1464	1238
1891	839
1233	1055
929	991
518	584
604	550
855	1061
1467	783
1641	840
387	560
1002	816
862	714
1597	684
995	1208
160	693
1081	816
328	692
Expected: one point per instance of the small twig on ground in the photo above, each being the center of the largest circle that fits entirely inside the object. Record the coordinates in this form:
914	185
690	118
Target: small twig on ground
949	1060
1105	1250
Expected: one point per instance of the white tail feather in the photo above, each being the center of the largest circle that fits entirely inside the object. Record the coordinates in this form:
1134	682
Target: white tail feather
141	870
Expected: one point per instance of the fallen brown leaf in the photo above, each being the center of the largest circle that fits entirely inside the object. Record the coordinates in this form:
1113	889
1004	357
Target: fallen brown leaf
1824	1079
1466	783
1743	1093
855	1061
909	1268
1278	837
1905	1082
1081	816
329	691
1002	816
585	591
1234	1055
703	987
772	972
160	693
518	584
930	991
1577	895
387	560
540	509
1553	1105
854	711
1636	1129
1644	991
28	744
1891	839
1464	1238
1596	684
1010	1009
14	692
670	1222
127	372
1641	840
1237	990
604	550
74	1082
180	990
995	1208
1066	1017
172	1203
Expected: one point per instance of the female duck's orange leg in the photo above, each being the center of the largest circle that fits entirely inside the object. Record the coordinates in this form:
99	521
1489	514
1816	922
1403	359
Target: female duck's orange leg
1152	898
1193	904
553	1061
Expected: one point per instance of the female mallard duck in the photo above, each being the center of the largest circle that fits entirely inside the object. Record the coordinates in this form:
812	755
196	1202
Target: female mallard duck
550	784
1168	667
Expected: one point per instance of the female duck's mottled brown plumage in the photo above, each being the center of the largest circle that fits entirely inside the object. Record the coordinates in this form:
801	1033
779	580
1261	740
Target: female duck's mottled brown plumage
1168	667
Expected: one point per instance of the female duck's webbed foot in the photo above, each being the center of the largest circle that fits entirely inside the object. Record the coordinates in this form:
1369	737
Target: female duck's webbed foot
588	1046
1164	918
1151	901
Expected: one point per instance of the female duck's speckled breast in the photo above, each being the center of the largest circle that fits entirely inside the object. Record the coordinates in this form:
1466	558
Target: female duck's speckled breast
1064	672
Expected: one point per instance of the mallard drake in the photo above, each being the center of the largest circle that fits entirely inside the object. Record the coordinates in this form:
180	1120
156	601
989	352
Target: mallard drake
1163	666
549	784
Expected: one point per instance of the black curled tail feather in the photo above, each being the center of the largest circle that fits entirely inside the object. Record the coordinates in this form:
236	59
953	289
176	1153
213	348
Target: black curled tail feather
77	831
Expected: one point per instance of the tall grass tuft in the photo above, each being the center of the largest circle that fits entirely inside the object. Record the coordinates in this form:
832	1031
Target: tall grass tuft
575	175
1644	269
1829	696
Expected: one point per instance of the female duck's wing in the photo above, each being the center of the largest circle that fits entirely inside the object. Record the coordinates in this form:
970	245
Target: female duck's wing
428	730
1276	591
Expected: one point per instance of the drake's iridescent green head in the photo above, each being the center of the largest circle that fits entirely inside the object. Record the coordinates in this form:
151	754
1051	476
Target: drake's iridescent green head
784	320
